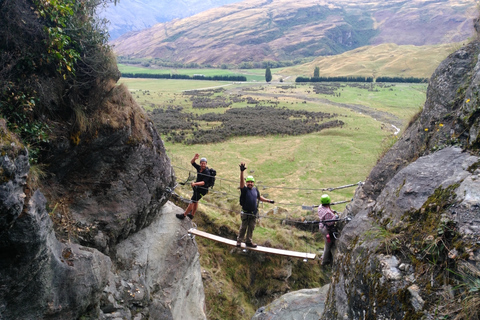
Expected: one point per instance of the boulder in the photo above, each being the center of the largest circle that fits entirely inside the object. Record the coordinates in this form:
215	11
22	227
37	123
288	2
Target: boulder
305	304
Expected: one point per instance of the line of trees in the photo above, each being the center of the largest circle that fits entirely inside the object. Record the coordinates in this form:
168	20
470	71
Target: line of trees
400	79
183	76
362	79
334	79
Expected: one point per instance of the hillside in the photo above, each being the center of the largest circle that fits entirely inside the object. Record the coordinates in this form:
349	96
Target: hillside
286	30
384	60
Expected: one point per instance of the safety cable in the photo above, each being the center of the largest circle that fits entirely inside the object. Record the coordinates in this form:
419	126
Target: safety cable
278	187
250	214
304	207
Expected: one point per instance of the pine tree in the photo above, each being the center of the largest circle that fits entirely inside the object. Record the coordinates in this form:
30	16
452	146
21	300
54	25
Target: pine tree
316	72
268	75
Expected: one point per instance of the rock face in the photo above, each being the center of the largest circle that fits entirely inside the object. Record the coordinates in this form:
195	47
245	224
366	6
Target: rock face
37	272
419	210
305	304
160	264
114	184
116	250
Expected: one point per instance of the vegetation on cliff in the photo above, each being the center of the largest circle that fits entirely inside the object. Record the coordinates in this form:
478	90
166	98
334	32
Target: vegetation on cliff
56	66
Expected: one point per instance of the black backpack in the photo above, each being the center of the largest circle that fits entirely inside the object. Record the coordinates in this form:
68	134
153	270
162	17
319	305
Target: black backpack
211	179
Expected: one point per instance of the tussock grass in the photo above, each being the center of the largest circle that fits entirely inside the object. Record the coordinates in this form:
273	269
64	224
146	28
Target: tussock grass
121	110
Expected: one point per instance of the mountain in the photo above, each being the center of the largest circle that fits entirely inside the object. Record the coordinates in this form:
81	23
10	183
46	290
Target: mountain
133	15
286	30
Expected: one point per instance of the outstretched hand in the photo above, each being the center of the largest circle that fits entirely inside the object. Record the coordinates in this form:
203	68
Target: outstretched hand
242	167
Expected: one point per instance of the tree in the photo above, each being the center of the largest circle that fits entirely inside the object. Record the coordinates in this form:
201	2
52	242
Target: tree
316	72
268	75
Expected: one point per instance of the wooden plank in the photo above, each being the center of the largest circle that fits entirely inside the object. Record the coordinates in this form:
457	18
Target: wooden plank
288	253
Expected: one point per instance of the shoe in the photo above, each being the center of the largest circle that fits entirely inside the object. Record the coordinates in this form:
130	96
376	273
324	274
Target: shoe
239	243
251	244
180	216
190	216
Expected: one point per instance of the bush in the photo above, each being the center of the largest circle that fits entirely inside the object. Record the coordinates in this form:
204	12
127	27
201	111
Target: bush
248	121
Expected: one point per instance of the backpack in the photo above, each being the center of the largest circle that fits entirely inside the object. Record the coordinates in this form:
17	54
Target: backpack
211	179
242	197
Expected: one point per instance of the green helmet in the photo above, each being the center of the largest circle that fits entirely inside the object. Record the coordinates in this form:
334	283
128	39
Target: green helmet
250	178
325	199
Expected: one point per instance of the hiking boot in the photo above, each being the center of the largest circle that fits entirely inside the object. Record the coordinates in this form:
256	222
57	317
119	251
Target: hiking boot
180	216
239	243
251	244
190	216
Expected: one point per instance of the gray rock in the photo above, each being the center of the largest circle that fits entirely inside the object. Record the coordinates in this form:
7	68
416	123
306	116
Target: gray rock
116	184
161	263
41	277
390	267
433	154
416	299
305	304
413	185
120	191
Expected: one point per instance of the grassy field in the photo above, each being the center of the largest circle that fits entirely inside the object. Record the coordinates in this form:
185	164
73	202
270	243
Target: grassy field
292	170
250	74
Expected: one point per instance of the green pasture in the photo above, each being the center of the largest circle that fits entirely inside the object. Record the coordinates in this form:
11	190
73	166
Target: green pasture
252	75
398	99
154	93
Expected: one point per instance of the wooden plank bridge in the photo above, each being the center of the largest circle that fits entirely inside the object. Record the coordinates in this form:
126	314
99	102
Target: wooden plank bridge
287	253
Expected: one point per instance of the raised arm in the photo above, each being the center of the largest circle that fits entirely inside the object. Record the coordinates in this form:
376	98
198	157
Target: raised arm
242	180
195	157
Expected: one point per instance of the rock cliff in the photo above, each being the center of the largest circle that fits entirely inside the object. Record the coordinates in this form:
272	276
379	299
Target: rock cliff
413	244
87	232
115	250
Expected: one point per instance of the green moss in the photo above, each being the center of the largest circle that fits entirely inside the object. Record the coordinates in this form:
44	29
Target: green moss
474	167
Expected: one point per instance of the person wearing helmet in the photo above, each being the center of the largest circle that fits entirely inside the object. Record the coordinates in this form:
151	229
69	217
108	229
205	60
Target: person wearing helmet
249	199
200	187
327	228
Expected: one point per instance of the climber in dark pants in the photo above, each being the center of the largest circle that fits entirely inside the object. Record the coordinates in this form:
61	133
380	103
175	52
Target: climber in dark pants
249	198
200	187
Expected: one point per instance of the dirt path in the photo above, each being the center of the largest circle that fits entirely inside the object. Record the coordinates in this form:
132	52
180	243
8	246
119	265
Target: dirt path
378	115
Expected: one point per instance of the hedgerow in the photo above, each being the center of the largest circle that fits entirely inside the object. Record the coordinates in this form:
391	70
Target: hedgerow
183	76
